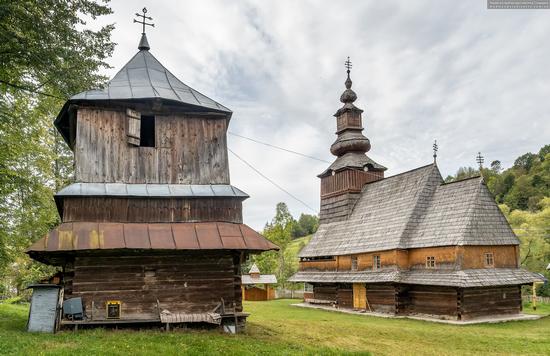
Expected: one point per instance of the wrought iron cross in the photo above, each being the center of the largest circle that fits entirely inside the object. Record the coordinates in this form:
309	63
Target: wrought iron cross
348	65
435	147
143	19
479	160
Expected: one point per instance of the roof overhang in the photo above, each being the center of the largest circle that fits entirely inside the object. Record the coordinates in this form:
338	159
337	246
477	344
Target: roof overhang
77	237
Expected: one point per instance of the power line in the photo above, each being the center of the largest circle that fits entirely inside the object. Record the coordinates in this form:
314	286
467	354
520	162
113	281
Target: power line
277	147
271	181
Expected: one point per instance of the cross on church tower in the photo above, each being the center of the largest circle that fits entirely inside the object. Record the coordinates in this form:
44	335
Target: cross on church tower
143	20
479	160
348	65
435	147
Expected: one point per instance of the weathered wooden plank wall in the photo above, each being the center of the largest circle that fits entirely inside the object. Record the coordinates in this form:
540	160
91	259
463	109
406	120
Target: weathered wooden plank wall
433	300
477	302
381	297
151	209
255	294
446	257
183	283
345	296
325	291
189	150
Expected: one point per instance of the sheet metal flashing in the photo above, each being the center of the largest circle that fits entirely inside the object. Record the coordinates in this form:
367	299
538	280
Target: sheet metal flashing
152	190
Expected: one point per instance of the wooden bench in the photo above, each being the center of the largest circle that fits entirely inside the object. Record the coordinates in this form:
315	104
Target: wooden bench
319	301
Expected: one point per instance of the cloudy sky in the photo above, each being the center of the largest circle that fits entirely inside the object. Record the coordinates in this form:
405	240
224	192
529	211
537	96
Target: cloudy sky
472	78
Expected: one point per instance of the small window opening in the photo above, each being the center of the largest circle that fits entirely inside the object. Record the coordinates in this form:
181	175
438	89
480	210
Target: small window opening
354	263
430	262
376	263
308	287
147	131
489	259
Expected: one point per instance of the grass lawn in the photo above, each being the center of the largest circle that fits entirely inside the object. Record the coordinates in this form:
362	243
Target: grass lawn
276	328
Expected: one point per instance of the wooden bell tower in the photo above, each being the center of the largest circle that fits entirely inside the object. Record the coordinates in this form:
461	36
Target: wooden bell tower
152	226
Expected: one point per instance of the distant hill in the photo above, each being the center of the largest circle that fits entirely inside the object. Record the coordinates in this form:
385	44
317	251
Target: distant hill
522	186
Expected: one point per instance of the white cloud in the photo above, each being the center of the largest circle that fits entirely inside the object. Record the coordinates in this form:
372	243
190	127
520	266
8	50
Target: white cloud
475	79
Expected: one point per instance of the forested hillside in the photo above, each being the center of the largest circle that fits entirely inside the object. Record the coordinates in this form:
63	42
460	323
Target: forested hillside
523	194
46	54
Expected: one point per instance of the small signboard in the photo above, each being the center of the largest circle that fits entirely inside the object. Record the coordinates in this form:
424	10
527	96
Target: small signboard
44	303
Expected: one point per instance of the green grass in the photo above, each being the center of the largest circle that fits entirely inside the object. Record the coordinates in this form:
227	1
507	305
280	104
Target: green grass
542	309
296	245
277	328
294	248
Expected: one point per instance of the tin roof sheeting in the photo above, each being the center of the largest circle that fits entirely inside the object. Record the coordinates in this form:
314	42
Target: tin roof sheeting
79	236
144	77
151	190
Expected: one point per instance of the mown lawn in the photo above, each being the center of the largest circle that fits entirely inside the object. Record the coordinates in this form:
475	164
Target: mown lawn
277	328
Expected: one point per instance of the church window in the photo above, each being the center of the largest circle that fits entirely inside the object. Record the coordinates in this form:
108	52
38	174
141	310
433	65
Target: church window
430	262
376	263
489	259
354	263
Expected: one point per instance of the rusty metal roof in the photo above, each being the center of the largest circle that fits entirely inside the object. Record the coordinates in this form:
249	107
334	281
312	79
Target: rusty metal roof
81	236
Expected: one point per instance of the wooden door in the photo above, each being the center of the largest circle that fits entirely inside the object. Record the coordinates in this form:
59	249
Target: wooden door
359	296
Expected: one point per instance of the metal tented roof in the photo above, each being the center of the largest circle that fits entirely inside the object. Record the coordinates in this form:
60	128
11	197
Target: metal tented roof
142	78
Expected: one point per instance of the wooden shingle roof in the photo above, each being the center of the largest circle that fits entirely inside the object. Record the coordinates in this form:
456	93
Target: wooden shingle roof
415	209
463	278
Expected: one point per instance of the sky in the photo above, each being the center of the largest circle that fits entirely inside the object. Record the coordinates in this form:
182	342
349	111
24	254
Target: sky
476	80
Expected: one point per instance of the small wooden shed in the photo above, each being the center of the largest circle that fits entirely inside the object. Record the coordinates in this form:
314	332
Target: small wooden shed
256	286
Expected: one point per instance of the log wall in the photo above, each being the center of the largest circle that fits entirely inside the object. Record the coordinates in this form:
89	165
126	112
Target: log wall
325	291
345	296
479	302
381	298
432	300
183	283
189	150
151	210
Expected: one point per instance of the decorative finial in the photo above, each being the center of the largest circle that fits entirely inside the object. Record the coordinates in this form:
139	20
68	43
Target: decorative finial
435	147
479	160
143	44
349	96
348	67
143	20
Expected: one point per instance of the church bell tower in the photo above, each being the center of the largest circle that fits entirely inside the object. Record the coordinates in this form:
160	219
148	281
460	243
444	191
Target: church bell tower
342	181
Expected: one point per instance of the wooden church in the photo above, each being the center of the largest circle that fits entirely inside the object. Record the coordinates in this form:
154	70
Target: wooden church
408	244
152	229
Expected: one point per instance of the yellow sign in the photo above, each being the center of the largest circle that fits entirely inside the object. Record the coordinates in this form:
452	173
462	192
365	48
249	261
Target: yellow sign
112	308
